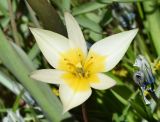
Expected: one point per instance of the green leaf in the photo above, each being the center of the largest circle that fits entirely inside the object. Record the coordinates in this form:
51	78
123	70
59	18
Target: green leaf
66	5
34	52
23	56
153	23
124	1
87	23
48	16
3	7
94	17
95	36
87	7
141	109
120	98
63	5
4	21
7	82
122	93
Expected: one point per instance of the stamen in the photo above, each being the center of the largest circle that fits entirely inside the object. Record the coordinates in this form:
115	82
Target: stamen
89	62
79	65
86	74
78	69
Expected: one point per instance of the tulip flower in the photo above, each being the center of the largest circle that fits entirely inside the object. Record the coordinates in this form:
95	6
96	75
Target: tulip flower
76	69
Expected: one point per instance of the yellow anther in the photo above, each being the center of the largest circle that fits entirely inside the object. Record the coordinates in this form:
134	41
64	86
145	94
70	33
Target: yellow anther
55	91
157	65
79	65
121	72
146	93
86	74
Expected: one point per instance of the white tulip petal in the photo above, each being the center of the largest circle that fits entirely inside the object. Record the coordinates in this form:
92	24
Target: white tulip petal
71	98
104	82
114	47
48	76
51	44
74	33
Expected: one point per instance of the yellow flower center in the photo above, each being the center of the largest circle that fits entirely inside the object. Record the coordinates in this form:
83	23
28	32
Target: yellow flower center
81	70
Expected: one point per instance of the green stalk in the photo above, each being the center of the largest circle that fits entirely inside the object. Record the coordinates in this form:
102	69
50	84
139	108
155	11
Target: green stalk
13	23
142	46
153	19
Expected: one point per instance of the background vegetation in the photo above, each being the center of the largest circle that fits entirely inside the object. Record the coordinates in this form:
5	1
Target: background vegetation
23	99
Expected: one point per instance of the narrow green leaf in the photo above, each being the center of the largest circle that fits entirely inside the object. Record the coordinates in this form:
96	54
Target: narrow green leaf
18	98
66	5
141	108
153	18
34	52
7	82
124	1
87	7
4	21
94	17
3	7
15	87
87	23
48	16
63	5
95	36
122	93
119	97
23	56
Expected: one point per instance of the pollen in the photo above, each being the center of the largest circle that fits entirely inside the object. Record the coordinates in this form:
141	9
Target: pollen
79	65
157	65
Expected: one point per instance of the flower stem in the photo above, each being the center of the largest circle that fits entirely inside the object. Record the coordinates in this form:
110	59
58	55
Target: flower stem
84	113
13	23
153	17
